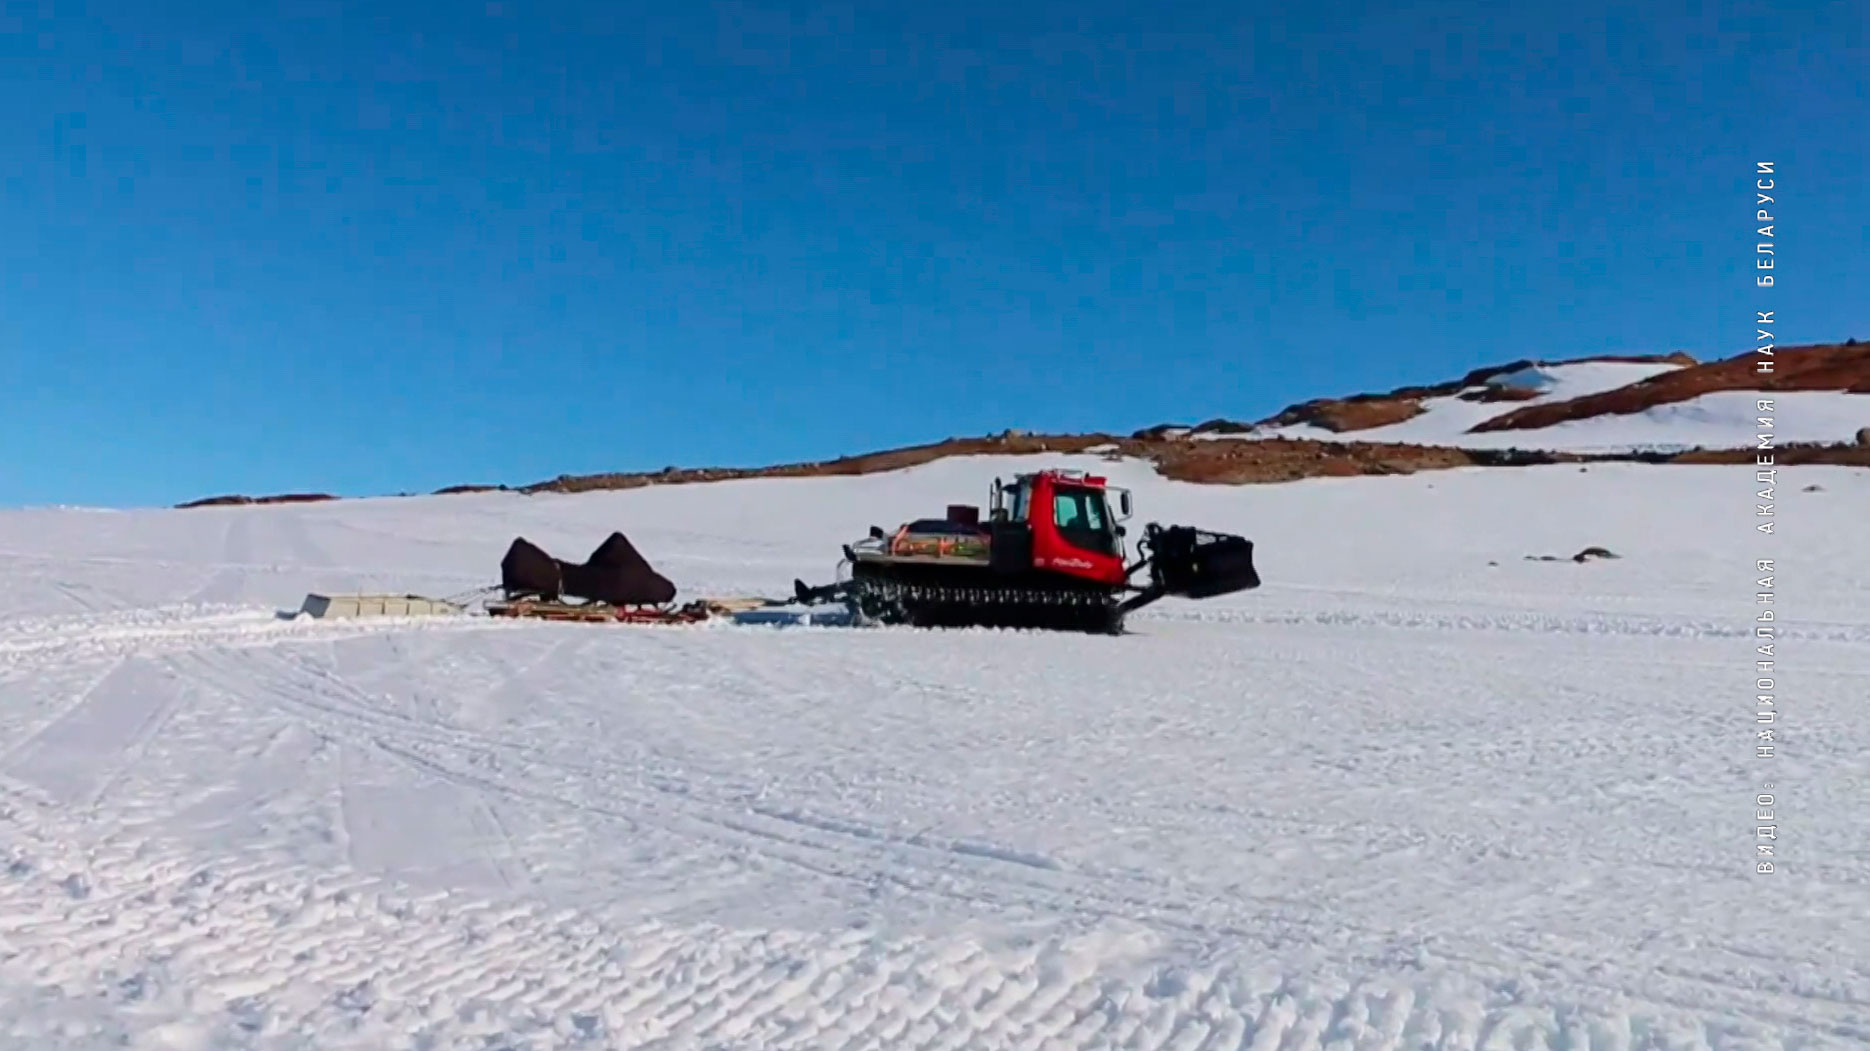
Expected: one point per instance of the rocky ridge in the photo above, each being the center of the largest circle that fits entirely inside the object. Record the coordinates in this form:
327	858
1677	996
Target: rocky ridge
1190	453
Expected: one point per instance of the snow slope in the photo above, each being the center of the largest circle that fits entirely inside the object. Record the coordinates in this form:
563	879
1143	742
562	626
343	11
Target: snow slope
1723	419
1417	792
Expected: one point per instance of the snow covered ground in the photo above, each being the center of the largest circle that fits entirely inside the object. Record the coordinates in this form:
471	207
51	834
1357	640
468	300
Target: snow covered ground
1720	420
1416	792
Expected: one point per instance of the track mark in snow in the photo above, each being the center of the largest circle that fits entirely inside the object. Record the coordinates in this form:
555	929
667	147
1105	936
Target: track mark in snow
33	703
397	819
1606	624
80	755
858	830
976	874
275	786
708	826
86	597
298	540
471	761
228	580
33	644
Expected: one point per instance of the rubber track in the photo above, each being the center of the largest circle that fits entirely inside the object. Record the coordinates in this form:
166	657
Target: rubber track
947	605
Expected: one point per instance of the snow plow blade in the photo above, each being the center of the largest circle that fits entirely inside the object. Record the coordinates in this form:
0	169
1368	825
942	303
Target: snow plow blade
1196	563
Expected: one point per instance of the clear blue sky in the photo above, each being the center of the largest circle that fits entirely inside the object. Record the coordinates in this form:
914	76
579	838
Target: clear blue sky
368	248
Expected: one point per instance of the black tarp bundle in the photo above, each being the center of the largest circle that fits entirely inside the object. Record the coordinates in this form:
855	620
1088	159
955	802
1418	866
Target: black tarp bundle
615	573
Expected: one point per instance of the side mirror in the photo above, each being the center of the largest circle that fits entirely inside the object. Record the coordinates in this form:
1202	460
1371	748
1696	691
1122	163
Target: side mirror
1123	504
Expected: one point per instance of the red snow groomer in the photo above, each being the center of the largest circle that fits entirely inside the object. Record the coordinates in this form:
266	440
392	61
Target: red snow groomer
1050	556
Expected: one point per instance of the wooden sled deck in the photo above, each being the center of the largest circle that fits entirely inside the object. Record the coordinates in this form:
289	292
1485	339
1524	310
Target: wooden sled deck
345	607
605	613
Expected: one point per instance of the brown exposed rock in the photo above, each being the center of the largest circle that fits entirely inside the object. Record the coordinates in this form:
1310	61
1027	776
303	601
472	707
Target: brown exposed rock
1220	426
1221	461
1350	414
1216	461
1235	461
1581	557
1366	411
1499	393
1831	366
1161	430
238	500
1481	376
1841	454
869	463
1225	462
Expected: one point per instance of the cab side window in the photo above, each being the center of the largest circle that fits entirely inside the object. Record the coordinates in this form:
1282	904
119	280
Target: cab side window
1067	510
1077	510
1080	518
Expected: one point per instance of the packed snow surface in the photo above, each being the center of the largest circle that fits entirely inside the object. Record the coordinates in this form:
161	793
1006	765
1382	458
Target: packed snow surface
1719	420
1417	792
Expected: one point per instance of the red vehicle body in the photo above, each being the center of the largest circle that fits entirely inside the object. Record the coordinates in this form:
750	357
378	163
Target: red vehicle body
1075	531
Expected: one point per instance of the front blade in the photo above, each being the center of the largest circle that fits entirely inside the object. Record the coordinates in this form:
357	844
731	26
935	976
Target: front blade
1197	563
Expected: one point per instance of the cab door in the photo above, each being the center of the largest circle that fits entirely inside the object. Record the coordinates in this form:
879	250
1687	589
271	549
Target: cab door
1081	538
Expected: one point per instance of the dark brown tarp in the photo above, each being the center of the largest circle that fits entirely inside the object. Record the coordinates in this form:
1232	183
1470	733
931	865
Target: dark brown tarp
615	573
